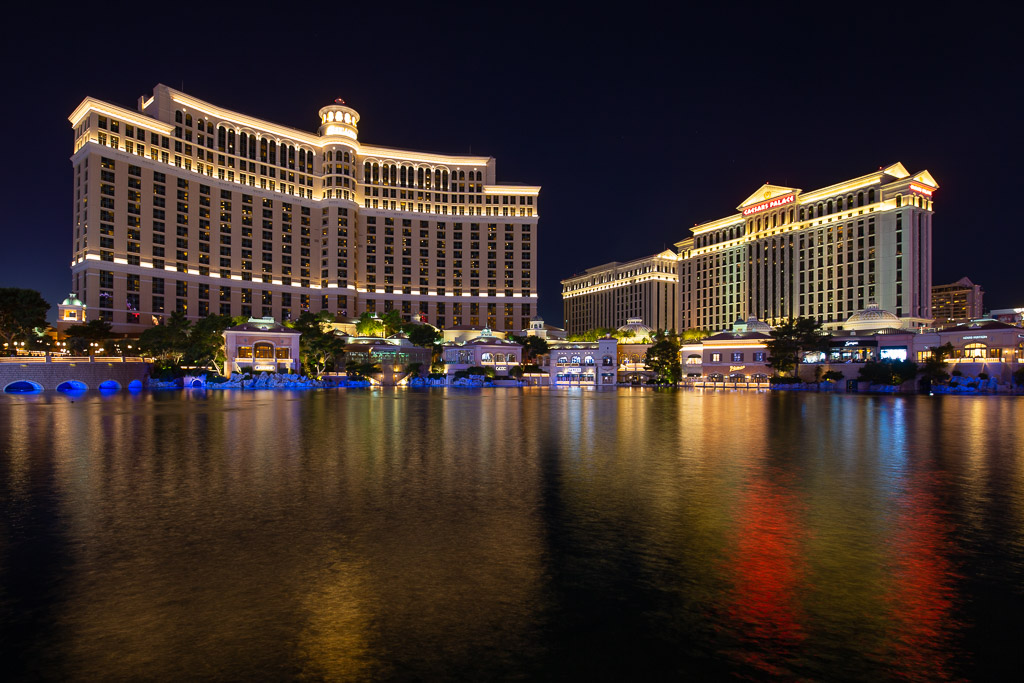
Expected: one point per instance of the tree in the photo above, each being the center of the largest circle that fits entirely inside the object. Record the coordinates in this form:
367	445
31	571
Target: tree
424	335
592	335
933	371
892	372
392	322
319	348
369	325
80	337
167	341
206	343
21	311
533	345
793	339
695	334
663	358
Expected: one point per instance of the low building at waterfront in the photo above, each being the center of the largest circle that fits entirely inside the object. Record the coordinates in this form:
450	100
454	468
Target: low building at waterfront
394	355
634	340
582	364
263	345
486	350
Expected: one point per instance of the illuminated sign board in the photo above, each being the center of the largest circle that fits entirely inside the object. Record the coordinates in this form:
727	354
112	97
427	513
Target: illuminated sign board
770	204
921	189
734	368
976	336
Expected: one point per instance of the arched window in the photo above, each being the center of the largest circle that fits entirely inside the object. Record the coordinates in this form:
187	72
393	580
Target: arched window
499	358
479	176
222	138
401	176
860	199
575	359
243	145
291	157
367	173
871	196
376	172
419	177
839	204
272	157
188	120
177	116
829	205
231	142
976	350
486	357
801	214
899	201
589	360
394	174
462	175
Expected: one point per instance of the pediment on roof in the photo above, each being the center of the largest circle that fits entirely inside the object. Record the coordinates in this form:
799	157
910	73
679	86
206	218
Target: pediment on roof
926	178
897	170
766	193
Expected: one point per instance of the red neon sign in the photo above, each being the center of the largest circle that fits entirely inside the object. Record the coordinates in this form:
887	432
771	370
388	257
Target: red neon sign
923	190
770	204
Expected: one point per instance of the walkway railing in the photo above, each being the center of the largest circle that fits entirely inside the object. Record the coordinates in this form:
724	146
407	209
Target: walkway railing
23	360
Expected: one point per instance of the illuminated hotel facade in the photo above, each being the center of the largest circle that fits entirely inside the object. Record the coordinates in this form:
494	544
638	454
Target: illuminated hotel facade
183	205
611	294
825	254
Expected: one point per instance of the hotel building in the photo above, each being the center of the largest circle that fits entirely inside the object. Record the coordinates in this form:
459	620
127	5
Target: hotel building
184	205
609	295
824	254
957	302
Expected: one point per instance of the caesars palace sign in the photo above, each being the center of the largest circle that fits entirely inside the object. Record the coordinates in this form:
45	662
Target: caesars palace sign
770	204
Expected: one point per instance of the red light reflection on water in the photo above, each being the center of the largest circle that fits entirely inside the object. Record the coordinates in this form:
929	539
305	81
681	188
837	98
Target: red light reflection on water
922	591
766	573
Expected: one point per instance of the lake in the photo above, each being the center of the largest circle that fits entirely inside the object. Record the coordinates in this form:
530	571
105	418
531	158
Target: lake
511	534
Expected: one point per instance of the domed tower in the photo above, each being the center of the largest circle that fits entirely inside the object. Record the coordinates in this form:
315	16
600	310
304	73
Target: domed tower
339	126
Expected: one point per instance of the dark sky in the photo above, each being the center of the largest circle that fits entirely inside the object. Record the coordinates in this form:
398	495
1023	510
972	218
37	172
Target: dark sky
638	124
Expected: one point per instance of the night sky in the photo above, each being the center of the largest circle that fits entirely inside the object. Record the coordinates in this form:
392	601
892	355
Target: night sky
637	124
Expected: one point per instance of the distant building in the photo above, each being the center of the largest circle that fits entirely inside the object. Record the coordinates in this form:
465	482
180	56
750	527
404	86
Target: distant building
956	302
538	328
824	253
610	294
1012	316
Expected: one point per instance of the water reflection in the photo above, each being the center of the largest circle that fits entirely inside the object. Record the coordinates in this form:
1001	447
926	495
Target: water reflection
494	534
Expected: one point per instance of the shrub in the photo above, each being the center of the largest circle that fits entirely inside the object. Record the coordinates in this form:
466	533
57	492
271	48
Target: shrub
833	376
957	373
982	375
780	379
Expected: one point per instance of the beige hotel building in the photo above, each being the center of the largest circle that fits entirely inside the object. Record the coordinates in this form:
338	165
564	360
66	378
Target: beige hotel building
183	205
611	294
824	254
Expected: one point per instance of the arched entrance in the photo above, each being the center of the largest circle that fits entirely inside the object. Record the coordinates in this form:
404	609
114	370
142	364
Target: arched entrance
109	385
23	386
72	385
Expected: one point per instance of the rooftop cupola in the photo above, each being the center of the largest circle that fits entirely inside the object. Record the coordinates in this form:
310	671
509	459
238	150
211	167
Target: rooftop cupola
337	119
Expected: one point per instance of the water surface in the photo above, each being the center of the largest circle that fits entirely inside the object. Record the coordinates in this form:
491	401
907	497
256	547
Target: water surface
506	534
